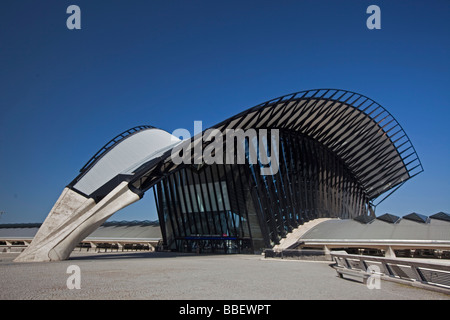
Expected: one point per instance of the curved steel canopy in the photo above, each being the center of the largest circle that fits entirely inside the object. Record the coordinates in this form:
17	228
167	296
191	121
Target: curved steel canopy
362	133
116	160
111	144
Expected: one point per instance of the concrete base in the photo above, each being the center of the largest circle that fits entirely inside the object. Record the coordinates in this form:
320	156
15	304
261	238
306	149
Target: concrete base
73	218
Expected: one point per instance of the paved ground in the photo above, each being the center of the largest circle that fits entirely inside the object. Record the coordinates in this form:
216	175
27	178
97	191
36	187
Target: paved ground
144	275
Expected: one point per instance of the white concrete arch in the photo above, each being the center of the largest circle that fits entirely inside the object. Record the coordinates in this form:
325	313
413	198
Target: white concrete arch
98	192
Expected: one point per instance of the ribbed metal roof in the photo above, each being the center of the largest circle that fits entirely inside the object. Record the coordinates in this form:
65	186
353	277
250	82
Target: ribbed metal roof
441	216
131	231
405	229
358	130
143	230
387	217
121	155
416	217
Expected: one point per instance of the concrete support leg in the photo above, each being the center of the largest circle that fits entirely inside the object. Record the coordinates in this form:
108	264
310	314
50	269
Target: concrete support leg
327	252
9	244
72	219
93	246
389	253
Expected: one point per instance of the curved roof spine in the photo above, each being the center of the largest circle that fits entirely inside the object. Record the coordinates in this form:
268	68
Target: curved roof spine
369	140
111	144
116	160
359	130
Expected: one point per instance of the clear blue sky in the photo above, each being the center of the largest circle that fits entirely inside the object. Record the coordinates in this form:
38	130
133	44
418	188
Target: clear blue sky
64	93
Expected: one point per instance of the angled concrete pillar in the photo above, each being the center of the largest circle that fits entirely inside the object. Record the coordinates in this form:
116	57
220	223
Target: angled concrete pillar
93	246
327	252
389	252
71	219
98	191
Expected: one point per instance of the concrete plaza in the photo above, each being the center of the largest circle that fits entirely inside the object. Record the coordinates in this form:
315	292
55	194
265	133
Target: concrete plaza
167	276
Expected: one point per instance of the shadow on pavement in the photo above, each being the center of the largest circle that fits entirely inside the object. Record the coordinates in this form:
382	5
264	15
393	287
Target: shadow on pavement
135	255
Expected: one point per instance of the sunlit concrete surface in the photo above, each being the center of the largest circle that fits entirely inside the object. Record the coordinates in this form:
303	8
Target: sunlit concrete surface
72	219
147	275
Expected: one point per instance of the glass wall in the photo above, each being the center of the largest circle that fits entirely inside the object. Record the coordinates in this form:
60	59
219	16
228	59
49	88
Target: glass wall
204	209
312	182
234	208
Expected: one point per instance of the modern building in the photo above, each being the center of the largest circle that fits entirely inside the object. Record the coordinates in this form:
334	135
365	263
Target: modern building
321	153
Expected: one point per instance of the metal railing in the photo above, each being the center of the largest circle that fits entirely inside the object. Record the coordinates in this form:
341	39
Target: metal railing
430	274
114	141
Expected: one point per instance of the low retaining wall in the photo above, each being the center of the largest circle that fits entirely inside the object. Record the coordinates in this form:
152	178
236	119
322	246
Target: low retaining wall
301	254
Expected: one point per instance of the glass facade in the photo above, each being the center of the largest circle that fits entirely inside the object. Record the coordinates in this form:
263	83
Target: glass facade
233	208
204	209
